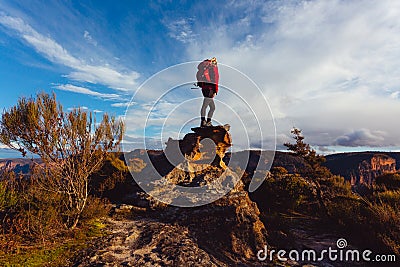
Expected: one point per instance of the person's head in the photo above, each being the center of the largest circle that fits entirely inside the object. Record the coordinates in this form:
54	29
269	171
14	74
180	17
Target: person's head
214	60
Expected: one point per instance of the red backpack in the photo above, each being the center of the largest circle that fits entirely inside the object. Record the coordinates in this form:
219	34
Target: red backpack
203	73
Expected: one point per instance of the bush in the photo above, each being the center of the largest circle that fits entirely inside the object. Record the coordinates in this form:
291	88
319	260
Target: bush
389	197
336	186
30	215
8	192
96	208
281	190
386	221
113	181
379	218
347	211
390	180
296	188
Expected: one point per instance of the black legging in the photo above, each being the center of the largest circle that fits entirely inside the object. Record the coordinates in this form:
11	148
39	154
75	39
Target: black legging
207	101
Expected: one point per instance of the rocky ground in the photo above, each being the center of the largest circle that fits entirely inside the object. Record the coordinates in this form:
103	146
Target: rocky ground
138	238
146	242
304	232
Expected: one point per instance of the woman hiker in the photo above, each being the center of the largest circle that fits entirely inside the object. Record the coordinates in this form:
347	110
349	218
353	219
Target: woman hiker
208	77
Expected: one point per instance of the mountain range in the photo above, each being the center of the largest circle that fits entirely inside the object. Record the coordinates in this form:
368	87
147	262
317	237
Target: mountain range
356	167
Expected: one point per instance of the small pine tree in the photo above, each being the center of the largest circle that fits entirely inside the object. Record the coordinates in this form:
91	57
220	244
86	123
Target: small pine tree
310	156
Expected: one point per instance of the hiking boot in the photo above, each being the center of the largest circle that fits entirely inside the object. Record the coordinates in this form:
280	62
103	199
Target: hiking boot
209	124
203	123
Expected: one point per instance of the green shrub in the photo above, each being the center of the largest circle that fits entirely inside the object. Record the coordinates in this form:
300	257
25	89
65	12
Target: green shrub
8	192
390	180
386	221
34	219
336	185
96	208
281	190
389	197
296	189
278	171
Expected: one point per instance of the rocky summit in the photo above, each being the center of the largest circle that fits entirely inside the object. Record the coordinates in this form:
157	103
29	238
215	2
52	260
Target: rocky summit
206	145
224	232
190	172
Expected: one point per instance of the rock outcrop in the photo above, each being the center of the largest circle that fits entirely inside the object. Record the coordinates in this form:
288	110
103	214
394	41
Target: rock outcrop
361	168
190	172
206	145
368	170
226	229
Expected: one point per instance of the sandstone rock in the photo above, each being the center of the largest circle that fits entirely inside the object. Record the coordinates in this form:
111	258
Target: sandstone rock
377	165
361	168
206	145
228	226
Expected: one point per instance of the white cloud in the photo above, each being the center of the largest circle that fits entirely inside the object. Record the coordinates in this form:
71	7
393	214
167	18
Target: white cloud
120	104
361	137
44	45
395	95
3	146
181	30
85	91
89	38
130	143
106	75
85	109
82	108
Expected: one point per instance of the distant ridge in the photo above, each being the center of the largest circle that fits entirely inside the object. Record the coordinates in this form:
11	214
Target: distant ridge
363	167
344	164
19	165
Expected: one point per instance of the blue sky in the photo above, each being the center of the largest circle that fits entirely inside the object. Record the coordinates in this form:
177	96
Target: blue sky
330	68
